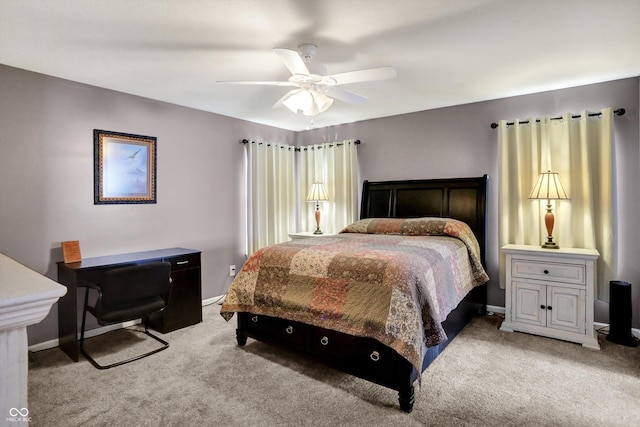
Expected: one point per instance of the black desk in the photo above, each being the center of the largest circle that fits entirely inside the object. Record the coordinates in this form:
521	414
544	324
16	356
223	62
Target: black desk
185	304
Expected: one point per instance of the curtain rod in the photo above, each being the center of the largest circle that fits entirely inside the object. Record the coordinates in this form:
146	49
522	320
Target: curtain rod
246	141
618	112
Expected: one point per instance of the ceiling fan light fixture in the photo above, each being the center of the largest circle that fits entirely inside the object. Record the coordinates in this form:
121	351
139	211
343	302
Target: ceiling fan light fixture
289	101
298	100
322	101
308	101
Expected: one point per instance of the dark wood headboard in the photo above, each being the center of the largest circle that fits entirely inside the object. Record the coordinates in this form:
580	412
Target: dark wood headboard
464	199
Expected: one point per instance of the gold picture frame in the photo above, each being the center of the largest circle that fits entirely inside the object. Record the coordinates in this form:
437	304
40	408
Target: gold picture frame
124	168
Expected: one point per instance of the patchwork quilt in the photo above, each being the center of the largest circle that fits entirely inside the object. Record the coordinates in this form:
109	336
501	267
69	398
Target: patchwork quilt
394	280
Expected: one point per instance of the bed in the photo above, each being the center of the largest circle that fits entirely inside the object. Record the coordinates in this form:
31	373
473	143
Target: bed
403	224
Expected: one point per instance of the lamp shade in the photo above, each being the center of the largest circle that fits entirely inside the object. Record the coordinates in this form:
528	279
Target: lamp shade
317	193
309	101
548	187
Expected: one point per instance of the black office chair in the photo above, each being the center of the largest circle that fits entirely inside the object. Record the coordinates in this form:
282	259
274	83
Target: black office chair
129	293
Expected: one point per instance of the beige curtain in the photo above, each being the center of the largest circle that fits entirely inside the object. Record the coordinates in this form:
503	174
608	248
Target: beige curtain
581	151
336	165
270	194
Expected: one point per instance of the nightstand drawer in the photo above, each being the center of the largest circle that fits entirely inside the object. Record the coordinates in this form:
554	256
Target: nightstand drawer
566	273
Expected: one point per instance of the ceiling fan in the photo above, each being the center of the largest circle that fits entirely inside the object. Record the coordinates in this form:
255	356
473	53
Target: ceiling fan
314	91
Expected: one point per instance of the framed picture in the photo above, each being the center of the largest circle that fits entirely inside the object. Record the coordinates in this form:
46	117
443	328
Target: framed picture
124	168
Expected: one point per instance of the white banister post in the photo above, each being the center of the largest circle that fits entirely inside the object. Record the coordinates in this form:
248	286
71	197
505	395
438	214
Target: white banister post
26	298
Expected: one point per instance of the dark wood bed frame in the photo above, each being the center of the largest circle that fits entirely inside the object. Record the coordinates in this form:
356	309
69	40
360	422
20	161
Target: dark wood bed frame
459	198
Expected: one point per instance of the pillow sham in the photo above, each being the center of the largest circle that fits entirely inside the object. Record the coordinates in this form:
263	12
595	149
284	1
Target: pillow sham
427	226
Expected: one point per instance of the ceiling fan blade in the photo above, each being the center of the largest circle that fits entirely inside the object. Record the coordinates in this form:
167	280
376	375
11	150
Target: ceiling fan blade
381	73
345	95
267	83
292	60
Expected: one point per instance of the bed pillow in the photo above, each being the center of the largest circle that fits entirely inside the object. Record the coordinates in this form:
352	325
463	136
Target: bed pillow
429	226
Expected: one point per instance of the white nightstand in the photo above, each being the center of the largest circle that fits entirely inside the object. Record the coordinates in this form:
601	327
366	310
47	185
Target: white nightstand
307	235
550	292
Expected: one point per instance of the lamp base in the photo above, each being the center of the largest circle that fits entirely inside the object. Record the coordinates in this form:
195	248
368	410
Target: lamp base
318	231
548	221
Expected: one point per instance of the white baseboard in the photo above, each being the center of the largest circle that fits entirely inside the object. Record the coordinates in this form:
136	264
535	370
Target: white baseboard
213	300
44	345
90	333
104	329
495	309
635	332
218	300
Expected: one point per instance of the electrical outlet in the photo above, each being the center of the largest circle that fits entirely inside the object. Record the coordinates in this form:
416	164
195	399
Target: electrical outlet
232	270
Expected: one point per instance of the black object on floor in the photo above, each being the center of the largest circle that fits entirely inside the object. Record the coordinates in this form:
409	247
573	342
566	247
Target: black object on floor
620	314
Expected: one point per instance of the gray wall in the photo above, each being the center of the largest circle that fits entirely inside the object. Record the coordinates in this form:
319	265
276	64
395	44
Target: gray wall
458	141
46	179
46	171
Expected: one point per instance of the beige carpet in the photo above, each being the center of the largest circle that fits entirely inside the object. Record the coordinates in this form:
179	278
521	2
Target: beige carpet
486	377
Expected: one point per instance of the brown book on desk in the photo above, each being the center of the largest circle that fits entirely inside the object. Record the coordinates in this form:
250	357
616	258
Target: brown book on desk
71	251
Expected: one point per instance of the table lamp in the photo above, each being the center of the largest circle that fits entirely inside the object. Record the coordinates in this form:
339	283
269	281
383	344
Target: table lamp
548	187
317	194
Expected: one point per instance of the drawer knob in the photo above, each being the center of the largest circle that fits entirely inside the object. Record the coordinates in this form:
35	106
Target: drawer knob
548	307
375	356
324	340
254	319
546	272
289	329
542	307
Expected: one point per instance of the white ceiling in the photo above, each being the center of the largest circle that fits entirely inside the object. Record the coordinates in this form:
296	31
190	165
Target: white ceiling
446	52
